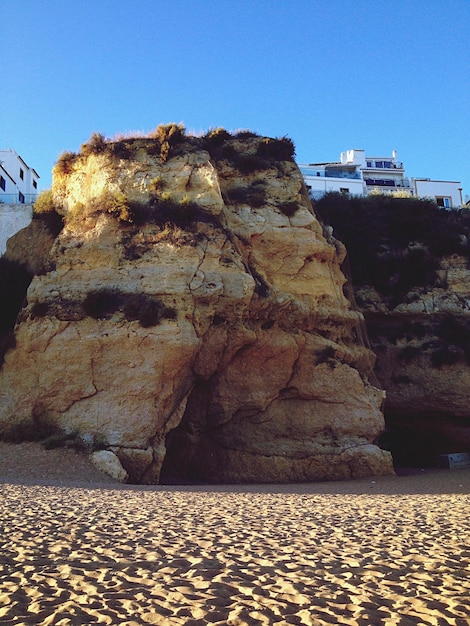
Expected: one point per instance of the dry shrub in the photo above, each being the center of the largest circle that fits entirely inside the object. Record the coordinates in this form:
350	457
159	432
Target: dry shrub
65	163
148	310
282	149
288	208
97	144
116	204
168	136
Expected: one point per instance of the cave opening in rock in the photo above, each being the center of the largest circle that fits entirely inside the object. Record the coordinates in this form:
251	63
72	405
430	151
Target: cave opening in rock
185	442
418	440
15	278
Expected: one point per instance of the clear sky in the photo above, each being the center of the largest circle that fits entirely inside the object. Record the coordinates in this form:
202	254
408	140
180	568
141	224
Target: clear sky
330	74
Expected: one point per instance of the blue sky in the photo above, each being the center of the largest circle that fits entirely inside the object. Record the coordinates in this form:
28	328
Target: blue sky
330	74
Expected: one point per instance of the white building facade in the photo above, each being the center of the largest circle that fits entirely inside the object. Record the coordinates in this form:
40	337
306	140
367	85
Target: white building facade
358	174
18	192
322	178
18	181
445	193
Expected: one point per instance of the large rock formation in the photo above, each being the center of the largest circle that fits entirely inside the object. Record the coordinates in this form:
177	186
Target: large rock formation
191	313
423	361
409	261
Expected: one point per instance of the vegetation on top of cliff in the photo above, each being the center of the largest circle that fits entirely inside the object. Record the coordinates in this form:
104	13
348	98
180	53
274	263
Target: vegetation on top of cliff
45	210
169	140
395	244
65	163
159	142
168	136
268	153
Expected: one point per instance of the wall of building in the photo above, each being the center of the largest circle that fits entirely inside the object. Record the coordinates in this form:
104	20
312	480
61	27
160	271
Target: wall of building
13	217
319	186
357	157
21	181
436	189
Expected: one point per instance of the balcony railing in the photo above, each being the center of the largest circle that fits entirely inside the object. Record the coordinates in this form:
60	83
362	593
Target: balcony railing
384	165
330	174
388	182
379	182
342	174
18	198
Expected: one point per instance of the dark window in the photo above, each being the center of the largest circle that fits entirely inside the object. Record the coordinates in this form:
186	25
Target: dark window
21	174
344	191
369	163
35	184
388	164
21	197
379	182
3	183
444	201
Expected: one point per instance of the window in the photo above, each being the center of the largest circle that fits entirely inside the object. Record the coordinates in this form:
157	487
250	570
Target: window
3	183
379	182
35	184
388	164
344	191
369	163
444	201
21	197
21	174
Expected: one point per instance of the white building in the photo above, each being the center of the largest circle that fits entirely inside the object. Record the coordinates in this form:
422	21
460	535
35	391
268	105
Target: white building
381	174
18	181
358	174
18	191
322	178
445	193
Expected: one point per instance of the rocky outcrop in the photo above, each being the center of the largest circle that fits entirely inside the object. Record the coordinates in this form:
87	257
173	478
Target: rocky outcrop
408	262
192	315
108	463
423	362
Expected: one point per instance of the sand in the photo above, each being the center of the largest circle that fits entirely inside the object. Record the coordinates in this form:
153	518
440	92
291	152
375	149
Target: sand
78	548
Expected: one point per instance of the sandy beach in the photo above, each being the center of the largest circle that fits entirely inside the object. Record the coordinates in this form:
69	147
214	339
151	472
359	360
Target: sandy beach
78	548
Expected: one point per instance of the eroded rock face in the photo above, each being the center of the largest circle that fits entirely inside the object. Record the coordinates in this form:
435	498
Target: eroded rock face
224	350
423	362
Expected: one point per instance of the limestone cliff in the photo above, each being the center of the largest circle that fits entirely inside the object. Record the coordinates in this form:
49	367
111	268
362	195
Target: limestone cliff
191	314
423	361
409	264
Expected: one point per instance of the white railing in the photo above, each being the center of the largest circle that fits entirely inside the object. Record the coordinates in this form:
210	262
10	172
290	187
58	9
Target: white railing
18	198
